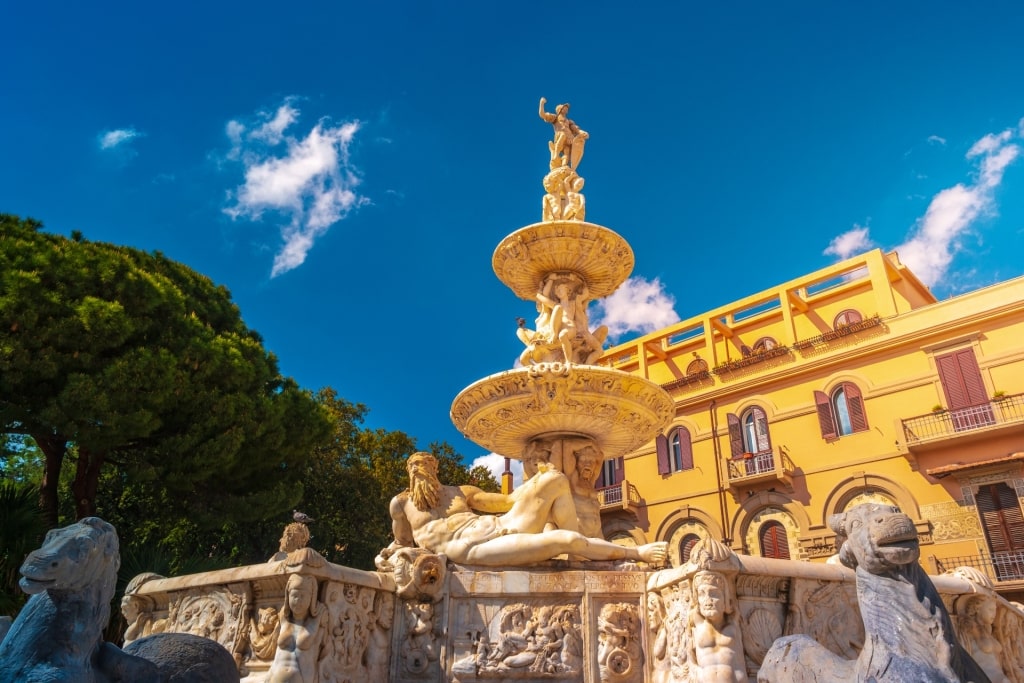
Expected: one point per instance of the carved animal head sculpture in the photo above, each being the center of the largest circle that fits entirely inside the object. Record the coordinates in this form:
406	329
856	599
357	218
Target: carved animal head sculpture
419	574
879	538
74	558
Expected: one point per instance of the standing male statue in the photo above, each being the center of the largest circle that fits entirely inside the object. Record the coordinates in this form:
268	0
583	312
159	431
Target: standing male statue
567	147
445	520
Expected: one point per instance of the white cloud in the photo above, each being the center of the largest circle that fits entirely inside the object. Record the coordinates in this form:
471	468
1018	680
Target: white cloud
936	140
638	305
496	464
851	242
953	211
112	138
310	182
990	143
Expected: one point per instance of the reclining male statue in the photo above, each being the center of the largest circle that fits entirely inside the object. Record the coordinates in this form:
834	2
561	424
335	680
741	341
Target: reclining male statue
443	520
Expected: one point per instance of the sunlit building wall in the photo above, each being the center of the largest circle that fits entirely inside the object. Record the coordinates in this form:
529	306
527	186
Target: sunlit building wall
851	384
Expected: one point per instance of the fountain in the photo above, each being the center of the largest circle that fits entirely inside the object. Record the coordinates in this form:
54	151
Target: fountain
532	592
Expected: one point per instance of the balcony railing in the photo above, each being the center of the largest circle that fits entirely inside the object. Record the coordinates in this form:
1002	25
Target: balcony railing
755	466
752	359
943	424
621	495
838	333
1007	566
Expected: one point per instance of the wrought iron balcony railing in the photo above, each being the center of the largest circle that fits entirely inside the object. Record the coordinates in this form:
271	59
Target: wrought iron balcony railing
942	424
620	495
1007	566
754	465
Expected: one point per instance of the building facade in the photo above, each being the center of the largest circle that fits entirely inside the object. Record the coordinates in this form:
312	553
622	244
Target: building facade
851	384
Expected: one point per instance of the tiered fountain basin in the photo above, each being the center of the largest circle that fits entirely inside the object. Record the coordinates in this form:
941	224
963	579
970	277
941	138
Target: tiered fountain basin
601	256
505	411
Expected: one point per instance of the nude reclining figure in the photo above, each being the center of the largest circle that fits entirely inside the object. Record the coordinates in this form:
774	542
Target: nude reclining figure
444	520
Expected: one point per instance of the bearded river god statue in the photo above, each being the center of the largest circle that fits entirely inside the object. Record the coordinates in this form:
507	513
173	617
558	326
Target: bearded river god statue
446	520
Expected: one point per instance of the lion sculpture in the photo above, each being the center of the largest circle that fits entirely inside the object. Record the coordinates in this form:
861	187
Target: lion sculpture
58	636
909	637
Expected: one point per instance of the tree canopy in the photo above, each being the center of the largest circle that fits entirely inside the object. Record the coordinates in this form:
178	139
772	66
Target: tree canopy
130	388
146	368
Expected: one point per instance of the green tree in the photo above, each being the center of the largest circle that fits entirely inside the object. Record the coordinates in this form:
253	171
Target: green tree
147	369
21	531
352	477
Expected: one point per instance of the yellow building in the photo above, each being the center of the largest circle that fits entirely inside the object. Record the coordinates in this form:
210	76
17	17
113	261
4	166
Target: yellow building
848	385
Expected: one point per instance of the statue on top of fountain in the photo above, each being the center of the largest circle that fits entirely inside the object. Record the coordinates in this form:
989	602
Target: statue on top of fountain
562	324
563	200
446	520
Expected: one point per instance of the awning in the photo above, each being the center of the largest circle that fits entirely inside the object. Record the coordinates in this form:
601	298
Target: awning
946	470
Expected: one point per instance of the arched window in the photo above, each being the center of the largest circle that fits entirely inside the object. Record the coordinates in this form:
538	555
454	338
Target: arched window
846	318
696	367
748	433
675	451
774	540
764	344
841	412
686	547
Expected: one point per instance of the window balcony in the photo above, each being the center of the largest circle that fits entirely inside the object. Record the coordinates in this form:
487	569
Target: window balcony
1002	413
622	496
1000	567
766	467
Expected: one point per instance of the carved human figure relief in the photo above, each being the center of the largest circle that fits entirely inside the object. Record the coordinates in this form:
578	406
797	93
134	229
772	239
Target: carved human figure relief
717	638
378	654
678	600
138	610
657	638
619	657
420	647
526	640
263	632
976	627
585	459
302	633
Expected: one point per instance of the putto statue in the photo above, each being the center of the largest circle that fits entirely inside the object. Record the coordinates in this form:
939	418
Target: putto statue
445	520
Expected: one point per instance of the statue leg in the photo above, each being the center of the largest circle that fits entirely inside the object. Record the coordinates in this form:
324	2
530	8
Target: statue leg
545	497
523	549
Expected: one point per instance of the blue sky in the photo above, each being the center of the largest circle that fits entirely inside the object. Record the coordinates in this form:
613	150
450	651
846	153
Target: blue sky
346	169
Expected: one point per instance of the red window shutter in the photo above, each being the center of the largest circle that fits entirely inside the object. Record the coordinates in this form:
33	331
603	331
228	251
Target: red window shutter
686	547
961	379
661	445
855	404
764	442
685	449
774	540
825	420
1001	515
735	435
620	470
971	374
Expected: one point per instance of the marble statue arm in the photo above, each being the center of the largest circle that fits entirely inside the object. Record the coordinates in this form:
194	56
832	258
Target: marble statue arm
400	526
482	501
545	115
